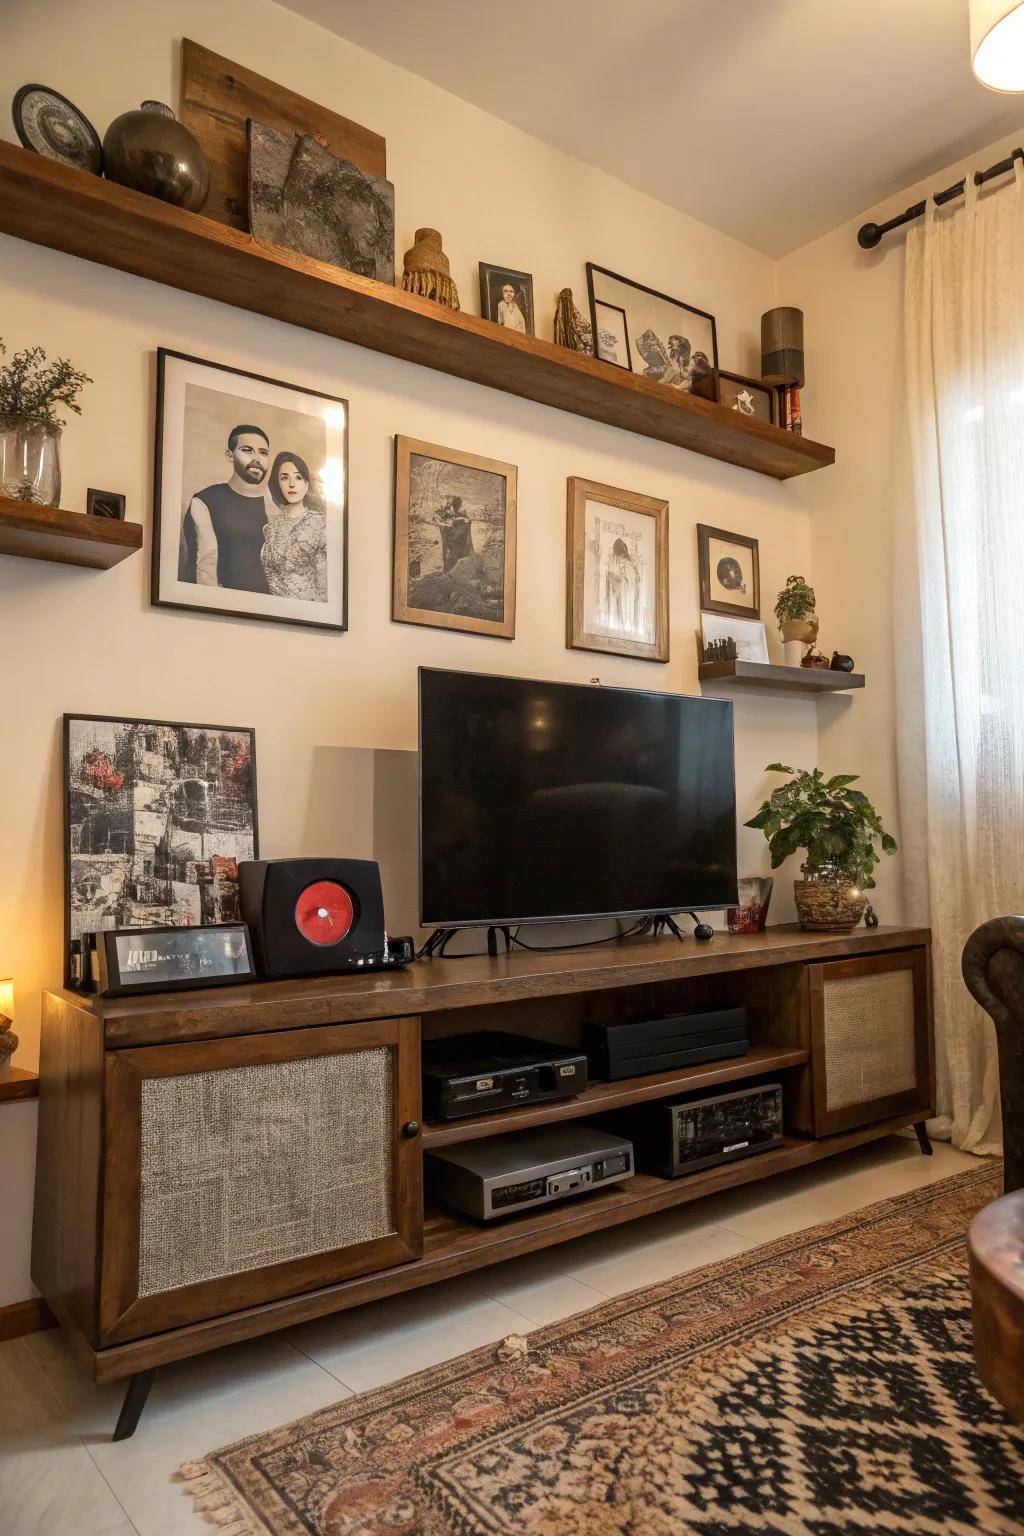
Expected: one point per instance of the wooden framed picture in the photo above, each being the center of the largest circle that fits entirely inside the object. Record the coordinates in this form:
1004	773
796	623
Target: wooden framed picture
157	816
506	297
455	540
616	571
749	397
730	572
731	639
251	499
669	342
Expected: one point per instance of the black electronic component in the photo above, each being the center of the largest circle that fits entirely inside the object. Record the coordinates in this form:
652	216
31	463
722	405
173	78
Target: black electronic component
616	1051
687	1134
491	1069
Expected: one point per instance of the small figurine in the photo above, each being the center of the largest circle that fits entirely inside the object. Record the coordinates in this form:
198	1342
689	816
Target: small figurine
841	663
427	270
571	330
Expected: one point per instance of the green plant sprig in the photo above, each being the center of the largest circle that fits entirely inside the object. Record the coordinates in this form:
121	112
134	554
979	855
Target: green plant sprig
795	601
837	827
33	389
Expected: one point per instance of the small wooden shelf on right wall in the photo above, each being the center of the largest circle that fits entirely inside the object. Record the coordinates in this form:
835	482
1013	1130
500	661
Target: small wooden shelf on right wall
765	675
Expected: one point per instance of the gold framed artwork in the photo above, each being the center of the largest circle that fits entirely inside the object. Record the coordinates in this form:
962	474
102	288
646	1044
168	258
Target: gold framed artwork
616	571
730	573
455	540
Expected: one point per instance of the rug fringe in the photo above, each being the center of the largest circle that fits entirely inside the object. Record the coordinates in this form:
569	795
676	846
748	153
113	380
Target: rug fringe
214	1498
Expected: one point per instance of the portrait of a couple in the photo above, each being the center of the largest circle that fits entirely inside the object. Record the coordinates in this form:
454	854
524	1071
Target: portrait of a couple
258	482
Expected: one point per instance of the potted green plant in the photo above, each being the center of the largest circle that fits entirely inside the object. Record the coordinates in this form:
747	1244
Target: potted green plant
796	618
840	832
33	392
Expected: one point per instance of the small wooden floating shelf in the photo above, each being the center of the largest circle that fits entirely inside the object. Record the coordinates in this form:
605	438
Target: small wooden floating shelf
763	674
599	1097
70	538
69	210
18	1083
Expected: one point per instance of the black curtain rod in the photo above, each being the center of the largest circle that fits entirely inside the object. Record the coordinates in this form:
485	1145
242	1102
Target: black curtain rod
869	235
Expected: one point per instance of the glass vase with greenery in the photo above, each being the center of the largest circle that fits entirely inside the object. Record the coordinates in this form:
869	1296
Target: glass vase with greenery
33	394
841	834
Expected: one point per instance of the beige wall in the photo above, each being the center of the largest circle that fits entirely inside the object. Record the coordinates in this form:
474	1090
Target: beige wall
81	641
853	308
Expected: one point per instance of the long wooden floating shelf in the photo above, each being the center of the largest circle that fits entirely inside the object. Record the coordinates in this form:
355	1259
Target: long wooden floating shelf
69	210
600	1097
764	674
69	538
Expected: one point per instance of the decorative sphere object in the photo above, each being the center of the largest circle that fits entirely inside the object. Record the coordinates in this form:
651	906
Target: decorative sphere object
841	663
152	152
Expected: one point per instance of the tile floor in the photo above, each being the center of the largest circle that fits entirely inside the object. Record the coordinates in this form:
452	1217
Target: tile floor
61	1473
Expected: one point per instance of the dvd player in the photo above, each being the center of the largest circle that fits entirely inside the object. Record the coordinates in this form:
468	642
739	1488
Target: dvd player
485	1179
472	1074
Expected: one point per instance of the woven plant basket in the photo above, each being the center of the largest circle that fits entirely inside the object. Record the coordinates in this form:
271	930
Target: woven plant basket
828	906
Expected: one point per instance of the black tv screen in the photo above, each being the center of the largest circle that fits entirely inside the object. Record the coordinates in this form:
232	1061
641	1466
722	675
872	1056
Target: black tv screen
555	800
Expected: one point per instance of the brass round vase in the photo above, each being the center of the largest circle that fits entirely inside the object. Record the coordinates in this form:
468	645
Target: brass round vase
829	905
152	152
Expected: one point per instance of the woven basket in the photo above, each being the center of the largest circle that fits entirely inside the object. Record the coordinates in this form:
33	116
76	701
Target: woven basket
828	906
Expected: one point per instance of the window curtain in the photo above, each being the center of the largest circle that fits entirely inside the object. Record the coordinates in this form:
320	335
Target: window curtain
959	563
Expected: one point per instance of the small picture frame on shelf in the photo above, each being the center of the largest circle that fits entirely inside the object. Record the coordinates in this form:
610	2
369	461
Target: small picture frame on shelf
170	959
752	398
670	342
732	639
616	571
506	297
730	572
612	335
105	504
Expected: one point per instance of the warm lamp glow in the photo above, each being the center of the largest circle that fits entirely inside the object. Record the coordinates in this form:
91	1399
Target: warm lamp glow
997	43
7	999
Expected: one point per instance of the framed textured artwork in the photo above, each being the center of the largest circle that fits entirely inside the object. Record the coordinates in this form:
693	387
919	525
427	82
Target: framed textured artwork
506	296
730	639
730	572
306	199
455	540
157	816
616	571
251	498
669	342
612	334
749	397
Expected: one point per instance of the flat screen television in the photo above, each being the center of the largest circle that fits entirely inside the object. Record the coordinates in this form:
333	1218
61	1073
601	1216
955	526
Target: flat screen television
541	801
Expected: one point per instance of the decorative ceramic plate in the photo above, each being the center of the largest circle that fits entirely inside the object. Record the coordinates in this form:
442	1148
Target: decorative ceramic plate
53	126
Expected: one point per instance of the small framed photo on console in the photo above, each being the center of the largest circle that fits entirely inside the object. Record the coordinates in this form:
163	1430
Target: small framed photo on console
170	959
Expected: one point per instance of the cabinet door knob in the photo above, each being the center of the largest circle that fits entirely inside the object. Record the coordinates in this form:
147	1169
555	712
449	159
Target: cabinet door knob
411	1128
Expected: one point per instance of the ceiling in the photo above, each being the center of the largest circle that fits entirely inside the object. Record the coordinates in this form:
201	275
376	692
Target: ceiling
773	120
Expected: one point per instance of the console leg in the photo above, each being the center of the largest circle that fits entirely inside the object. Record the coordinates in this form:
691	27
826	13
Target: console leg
134	1402
922	1139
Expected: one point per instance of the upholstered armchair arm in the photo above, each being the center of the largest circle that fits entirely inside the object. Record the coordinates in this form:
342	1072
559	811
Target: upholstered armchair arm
993	967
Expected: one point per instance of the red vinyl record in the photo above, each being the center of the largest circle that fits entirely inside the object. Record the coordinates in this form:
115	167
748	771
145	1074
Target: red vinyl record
324	912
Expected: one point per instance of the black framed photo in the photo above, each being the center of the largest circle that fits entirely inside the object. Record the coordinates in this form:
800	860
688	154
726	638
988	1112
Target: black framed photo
670	342
157	816
251	496
506	297
749	397
730	572
169	959
612	335
105	504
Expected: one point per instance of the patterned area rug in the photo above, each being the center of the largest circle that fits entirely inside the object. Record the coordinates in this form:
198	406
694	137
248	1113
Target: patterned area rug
820	1386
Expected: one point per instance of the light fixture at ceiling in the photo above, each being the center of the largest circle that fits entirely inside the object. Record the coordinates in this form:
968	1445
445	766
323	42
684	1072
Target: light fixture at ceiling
997	43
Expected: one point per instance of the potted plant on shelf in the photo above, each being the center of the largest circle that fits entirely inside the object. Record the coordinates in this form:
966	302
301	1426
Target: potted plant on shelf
841	833
796	618
32	393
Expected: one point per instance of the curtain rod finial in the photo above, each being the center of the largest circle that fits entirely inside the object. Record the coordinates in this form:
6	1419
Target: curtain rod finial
868	236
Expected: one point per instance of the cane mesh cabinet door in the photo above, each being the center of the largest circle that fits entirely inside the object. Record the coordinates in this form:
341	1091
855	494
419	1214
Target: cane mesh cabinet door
240	1171
870	1039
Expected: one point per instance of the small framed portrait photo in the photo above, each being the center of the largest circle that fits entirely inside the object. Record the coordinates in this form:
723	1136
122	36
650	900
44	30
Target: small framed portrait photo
506	297
251	498
616	571
730	573
612	335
